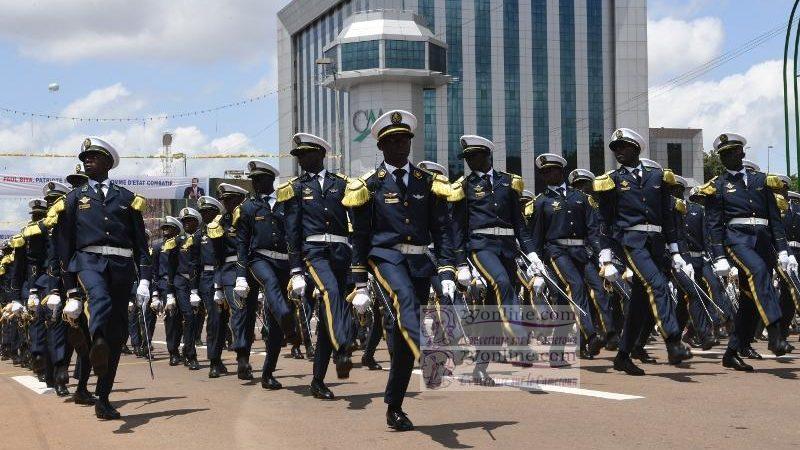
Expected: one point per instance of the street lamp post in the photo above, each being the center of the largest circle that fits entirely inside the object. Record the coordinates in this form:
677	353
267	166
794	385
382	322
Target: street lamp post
785	84
326	62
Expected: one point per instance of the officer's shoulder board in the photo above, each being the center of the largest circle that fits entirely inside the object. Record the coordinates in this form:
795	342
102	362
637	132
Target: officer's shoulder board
440	186
237	212
32	229
457	190
604	182
783	205
169	244
17	241
668	177
51	219
529	207
589	199
286	190
774	183
214	229
680	206
357	192
138	203
188	242
517	183
709	188
342	176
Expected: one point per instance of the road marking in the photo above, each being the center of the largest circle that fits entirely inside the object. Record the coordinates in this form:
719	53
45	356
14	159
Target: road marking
33	384
560	389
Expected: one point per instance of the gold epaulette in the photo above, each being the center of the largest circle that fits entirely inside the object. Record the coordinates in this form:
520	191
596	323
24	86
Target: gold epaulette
169	244
139	203
286	191
528	211
669	177
783	205
32	229
215	230
680	206
774	183
357	192
592	202
709	188
517	183
189	242
17	241
604	183
237	212
440	186
456	190
51	219
342	176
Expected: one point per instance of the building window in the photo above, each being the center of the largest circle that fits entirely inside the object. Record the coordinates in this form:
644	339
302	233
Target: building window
541	113
675	157
438	58
594	56
455	93
431	133
360	55
405	54
513	126
426	10
483	72
569	134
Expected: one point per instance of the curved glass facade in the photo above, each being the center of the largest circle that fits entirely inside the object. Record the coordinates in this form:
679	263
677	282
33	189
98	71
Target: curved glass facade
404	54
360	55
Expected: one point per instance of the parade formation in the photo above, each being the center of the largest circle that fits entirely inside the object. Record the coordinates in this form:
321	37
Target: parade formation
634	253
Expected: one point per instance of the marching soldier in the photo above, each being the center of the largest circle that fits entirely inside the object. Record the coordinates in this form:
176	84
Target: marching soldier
216	314
234	288
789	295
263	262
317	238
565	221
745	226
101	244
396	211
185	274
166	257
636	207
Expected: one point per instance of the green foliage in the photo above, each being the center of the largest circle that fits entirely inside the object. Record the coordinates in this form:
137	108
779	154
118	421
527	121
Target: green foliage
711	165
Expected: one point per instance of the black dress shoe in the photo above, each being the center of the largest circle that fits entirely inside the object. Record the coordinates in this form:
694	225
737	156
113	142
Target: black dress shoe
583	353
320	391
61	375
174	360
641	354
624	363
193	364
397	419
343	366
612	342
104	411
37	363
708	342
779	347
269	382
595	345
244	371
677	353
83	397
732	361
98	356
481	378
41	377
310	352
126	350
296	353
61	390
213	371
369	362
750	353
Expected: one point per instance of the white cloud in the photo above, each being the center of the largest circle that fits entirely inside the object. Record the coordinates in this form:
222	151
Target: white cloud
153	30
749	103
675	45
115	100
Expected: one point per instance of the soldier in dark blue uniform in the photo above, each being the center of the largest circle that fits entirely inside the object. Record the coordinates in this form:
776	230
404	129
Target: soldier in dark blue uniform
789	295
264	262
636	207
216	310
396	211
565	221
102	246
317	238
185	274
166	255
745	226
222	231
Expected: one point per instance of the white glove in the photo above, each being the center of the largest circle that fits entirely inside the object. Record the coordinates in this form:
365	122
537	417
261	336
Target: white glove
722	267
156	305
677	261
609	272
604	256
17	308
627	275
130	306
53	301
73	308
170	302
538	285
464	276
241	288
142	292
792	266
298	284
361	300
688	269
449	289
536	267
478	280
33	301
218	297
734	272
783	260
194	298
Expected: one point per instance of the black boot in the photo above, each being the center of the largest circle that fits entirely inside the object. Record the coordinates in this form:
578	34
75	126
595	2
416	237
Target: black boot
750	353
641	354
244	371
270	383
777	344
174	359
193	364
594	345
398	420
104	411
82	396
732	361
677	352
296	353
369	362
624	363
343	365
320	391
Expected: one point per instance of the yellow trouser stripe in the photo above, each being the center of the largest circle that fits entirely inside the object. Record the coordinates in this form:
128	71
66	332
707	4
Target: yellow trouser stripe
599	310
569	292
789	284
651	297
396	302
750	282
327	301
496	288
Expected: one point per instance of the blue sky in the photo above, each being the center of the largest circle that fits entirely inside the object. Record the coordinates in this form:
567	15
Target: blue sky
150	57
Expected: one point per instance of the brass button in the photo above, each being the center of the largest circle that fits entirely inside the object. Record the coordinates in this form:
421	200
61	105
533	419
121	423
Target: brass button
405	203
408	238
408	220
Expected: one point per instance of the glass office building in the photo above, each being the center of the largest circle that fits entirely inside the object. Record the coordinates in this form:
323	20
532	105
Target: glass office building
535	76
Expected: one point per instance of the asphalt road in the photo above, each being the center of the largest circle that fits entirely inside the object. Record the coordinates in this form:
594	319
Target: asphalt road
699	405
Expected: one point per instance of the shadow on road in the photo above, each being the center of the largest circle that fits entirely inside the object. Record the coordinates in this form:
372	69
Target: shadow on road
145	401
360	401
787	373
136	420
446	434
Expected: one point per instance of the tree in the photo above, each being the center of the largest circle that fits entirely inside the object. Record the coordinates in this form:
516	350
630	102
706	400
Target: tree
711	165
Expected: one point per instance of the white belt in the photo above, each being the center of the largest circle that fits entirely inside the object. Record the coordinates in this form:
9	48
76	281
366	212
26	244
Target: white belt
108	251
408	249
645	227
233	258
748	221
272	254
495	231
794	244
208	268
186	275
570	242
696	254
327	238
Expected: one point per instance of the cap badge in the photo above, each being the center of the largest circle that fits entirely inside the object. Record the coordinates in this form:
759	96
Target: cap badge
723	138
297	140
619	134
87	143
396	118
